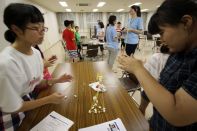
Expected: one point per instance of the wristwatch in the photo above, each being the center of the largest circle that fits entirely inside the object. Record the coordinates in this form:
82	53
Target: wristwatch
49	83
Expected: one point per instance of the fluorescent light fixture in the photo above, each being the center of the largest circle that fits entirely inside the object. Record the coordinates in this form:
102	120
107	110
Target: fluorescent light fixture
137	3
101	4
119	10
144	10
68	10
63	3
95	10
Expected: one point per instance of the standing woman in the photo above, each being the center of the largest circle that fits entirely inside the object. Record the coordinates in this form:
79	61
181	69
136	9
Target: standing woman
134	28
101	35
21	66
112	40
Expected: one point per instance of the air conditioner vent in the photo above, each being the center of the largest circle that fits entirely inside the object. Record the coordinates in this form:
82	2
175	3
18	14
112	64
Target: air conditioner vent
82	4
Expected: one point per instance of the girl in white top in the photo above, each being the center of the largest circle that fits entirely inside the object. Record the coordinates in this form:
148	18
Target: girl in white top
154	66
101	35
22	66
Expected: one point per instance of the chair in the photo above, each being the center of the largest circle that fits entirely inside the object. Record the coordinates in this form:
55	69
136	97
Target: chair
151	37
92	51
130	83
142	37
83	48
158	42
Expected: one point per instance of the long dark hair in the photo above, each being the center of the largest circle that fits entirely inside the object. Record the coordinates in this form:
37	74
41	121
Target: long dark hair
105	33
137	10
111	19
38	48
171	12
66	23
101	24
20	15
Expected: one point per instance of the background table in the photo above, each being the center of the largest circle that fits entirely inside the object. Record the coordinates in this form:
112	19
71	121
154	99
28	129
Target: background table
117	101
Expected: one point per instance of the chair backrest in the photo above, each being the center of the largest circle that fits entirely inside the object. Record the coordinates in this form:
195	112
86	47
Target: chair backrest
83	38
145	32
92	50
158	42
129	84
149	36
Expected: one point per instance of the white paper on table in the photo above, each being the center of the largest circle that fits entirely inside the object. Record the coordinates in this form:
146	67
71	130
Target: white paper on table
53	122
98	87
114	125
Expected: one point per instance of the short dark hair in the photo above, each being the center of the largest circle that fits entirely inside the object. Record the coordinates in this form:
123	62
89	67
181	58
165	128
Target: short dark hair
76	27
170	12
118	22
20	15
67	23
101	24
72	22
137	10
111	19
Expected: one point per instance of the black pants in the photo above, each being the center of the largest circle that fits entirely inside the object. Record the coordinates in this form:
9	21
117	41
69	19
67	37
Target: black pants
122	44
101	46
79	51
130	49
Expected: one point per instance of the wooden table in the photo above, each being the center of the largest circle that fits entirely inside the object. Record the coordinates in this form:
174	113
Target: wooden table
116	100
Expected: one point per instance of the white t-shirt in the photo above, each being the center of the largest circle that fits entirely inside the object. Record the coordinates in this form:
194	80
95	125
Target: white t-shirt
101	33
19	74
156	63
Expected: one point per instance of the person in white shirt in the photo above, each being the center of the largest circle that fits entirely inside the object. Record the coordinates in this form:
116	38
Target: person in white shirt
101	35
154	65
21	66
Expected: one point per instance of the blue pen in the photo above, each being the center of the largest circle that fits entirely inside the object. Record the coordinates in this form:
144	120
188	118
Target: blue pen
58	119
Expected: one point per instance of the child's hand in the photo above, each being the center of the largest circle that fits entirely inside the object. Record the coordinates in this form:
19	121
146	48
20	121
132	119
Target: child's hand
50	61
64	78
53	57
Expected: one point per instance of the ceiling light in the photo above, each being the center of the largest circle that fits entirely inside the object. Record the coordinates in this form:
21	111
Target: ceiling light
95	10
119	10
137	3
101	4
68	10
63	3
144	10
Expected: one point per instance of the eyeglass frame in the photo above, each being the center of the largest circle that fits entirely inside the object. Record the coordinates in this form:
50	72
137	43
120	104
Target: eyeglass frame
43	29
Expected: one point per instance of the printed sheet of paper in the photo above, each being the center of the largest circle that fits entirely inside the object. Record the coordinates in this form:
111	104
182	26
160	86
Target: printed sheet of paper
53	122
98	87
114	125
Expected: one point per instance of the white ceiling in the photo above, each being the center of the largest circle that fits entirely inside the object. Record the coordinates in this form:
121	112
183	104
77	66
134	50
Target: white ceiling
110	6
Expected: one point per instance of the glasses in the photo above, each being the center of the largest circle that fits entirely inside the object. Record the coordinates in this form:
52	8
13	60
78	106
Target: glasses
43	29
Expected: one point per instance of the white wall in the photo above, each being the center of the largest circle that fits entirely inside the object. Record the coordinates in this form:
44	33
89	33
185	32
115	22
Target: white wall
51	37
149	15
3	42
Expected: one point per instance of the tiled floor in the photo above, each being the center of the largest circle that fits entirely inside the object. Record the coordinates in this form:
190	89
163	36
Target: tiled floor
145	50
